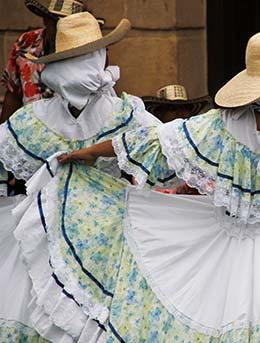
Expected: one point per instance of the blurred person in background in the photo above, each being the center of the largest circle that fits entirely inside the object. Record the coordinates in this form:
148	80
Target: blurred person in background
22	77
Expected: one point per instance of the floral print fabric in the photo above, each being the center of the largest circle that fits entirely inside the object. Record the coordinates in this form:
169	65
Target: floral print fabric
88	238
204	154
22	75
14	332
30	142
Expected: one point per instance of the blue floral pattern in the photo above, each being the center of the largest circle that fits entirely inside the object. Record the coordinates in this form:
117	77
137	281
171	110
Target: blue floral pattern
203	153
14	332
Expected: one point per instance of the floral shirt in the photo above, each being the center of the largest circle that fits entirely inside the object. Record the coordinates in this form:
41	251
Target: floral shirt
22	75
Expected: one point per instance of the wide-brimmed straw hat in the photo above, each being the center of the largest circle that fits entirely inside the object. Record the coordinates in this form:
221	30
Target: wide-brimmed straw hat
79	34
60	8
176	95
244	88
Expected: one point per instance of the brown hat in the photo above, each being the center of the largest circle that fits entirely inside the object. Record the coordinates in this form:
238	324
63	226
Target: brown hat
244	88
60	8
80	34
176	95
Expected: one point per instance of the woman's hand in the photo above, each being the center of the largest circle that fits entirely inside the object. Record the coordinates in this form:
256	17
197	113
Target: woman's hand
89	155
82	155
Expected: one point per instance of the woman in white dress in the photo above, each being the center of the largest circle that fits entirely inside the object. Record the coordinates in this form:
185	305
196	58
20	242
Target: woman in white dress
84	111
199	256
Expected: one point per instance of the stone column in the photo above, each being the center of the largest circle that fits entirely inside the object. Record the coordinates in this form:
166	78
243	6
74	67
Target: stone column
167	44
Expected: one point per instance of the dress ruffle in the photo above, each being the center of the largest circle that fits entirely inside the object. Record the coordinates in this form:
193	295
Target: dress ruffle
204	154
60	310
26	142
140	155
93	208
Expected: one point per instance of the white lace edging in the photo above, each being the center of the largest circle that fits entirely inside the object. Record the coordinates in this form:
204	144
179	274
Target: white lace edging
14	158
51	308
143	117
109	166
123	163
178	315
174	150
3	190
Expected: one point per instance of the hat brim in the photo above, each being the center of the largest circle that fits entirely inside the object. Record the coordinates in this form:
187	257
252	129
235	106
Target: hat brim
161	101
36	8
113	37
242	90
196	105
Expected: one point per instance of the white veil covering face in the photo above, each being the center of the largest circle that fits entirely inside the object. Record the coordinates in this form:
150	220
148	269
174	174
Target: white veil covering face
84	83
80	79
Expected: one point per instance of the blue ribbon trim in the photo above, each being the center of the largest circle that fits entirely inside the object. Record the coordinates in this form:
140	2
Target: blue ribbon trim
63	228
125	123
215	164
40	208
115	333
140	165
27	151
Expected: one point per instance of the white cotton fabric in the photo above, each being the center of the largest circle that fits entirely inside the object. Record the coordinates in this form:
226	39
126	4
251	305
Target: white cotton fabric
54	113
14	277
84	83
194	257
205	278
82	79
241	123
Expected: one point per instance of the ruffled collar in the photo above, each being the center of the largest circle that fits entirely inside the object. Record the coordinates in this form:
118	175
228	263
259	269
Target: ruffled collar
54	113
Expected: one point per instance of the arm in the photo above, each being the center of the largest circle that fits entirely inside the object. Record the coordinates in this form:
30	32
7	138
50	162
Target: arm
89	155
12	102
13	99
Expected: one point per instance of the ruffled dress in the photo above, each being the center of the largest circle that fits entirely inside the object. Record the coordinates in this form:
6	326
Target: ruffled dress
35	306
111	263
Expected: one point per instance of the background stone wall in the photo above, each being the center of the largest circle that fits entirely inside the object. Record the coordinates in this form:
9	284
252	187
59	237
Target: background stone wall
167	43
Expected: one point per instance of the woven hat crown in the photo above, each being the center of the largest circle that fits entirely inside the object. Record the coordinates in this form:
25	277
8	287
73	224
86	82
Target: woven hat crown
61	8
76	30
253	56
173	92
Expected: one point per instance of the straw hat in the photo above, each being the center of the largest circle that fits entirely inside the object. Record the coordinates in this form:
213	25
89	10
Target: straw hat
244	88
60	8
176	95
79	34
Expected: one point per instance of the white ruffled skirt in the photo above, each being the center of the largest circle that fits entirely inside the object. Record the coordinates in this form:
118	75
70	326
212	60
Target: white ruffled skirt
204	272
33	307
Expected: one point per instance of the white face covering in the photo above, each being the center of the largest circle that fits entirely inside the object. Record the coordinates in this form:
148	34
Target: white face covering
82	79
